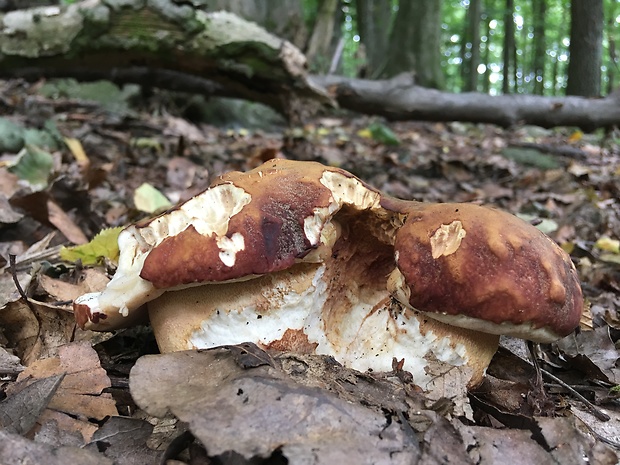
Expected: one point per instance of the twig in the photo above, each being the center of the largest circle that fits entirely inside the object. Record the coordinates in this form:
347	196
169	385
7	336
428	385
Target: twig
17	283
539	370
591	407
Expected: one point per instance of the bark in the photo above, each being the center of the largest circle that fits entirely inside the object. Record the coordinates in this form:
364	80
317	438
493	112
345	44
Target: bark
486	84
400	99
118	37
586	46
473	24
510	64
614	62
414	42
321	39
374	23
539	8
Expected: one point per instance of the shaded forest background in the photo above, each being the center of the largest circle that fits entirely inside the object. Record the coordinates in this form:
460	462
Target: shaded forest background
492	46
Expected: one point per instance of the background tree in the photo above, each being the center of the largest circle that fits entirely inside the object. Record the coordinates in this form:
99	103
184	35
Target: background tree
320	41
414	42
471	55
614	62
539	9
374	23
586	40
509	51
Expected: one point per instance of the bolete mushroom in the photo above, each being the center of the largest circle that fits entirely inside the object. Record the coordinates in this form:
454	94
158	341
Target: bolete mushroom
300	256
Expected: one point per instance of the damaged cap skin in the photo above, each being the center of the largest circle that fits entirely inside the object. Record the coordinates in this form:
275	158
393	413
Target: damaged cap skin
487	270
244	225
300	256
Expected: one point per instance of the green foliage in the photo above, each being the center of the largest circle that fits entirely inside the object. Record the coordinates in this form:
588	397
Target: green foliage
11	136
531	157
383	134
33	165
103	246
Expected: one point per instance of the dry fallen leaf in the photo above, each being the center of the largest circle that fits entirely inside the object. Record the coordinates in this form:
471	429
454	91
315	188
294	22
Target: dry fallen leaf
258	411
79	396
594	352
20	411
17	449
36	330
9	364
124	440
91	280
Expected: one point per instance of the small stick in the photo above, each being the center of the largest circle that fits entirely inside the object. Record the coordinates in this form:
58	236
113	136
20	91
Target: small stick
17	284
539	370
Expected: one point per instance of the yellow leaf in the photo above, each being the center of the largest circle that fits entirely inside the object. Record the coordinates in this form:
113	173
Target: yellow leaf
148	199
103	245
77	150
365	133
575	136
608	244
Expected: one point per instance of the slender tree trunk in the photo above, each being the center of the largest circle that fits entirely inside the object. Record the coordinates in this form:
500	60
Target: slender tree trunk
374	23
414	42
473	25
465	50
486	84
554	73
614	62
539	9
509	47
586	46
321	38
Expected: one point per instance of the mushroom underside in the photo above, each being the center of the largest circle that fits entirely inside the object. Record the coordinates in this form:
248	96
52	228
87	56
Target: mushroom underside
339	307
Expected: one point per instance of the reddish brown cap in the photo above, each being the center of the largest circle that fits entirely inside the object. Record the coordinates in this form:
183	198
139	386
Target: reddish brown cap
245	225
485	269
281	196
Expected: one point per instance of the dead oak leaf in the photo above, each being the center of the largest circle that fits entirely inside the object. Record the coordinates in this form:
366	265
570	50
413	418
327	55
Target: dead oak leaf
80	395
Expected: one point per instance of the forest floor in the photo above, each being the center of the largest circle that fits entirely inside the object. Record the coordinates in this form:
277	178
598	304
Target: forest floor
65	393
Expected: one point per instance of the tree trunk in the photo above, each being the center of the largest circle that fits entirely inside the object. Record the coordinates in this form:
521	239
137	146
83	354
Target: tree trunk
586	45
486	85
414	42
374	23
319	45
399	99
614	62
509	47
554	73
474	13
539	9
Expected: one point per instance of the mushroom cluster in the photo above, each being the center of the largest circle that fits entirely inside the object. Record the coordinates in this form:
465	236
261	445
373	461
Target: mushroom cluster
304	257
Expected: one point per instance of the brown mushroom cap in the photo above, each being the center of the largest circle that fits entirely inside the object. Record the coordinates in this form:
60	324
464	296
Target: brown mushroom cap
300	256
244	225
485	269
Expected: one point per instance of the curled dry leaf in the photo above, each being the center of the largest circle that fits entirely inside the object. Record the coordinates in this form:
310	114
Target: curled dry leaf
594	353
9	364
36	330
